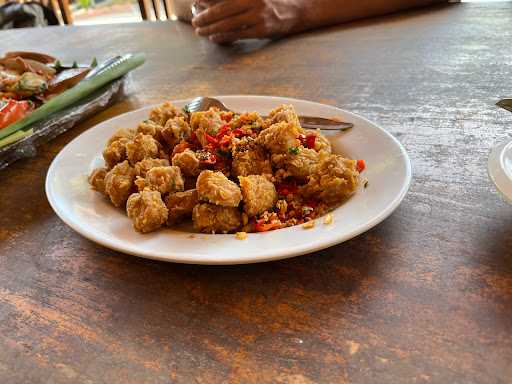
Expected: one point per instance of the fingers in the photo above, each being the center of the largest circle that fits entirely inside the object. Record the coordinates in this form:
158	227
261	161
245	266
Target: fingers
220	11
254	32
231	24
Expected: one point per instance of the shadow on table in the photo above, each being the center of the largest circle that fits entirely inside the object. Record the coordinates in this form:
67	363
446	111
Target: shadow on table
288	296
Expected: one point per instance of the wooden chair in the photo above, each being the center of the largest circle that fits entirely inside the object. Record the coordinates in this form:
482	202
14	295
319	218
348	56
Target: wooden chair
150	8
60	7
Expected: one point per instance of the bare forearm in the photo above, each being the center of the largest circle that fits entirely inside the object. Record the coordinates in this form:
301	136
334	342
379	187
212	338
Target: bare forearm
318	13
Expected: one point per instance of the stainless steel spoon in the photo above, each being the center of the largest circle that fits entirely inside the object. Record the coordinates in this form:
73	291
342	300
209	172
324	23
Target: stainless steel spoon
310	122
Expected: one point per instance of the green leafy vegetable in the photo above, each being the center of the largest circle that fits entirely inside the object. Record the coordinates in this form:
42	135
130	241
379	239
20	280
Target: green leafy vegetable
294	150
15	137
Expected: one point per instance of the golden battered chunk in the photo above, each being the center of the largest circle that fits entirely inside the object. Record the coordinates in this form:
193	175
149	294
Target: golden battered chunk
119	183
206	122
115	152
176	130
97	179
161	179
147	210
216	188
258	193
143	166
249	158
149	127
286	113
334	179
163	113
142	147
248	120
321	142
211	218
280	137
188	162
122	133
180	205
299	165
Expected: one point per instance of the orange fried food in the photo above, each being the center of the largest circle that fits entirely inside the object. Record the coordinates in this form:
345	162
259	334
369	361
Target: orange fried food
147	210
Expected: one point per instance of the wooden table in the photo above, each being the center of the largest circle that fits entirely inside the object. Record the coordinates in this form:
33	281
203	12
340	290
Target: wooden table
425	297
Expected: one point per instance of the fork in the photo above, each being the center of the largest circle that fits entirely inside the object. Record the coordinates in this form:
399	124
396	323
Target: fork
204	103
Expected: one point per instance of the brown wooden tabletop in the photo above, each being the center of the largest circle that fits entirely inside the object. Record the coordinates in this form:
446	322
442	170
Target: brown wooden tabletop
425	297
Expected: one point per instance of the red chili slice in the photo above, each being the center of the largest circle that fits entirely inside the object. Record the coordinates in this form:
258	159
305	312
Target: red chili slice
310	141
212	140
360	165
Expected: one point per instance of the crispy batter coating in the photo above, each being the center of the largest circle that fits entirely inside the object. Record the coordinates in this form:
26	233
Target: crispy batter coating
216	188
321	142
180	205
299	165
249	158
143	166
248	120
258	193
188	162
149	127
142	147
334	179
122	133
279	137
206	122
119	183
163	113
147	210
210	218
97	179
176	130
162	179
115	152
286	113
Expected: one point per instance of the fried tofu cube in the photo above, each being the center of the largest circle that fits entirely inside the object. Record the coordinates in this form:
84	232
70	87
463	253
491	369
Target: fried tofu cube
151	128
147	210
321	142
142	147
180	205
259	194
119	183
162	179
216	188
188	162
115	152
283	113
334	179
176	130
279	137
97	179
122	133
210	218
164	112
143	166
249	158
207	122
299	165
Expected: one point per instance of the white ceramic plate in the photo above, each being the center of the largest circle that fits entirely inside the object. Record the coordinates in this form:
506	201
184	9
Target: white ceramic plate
87	212
500	169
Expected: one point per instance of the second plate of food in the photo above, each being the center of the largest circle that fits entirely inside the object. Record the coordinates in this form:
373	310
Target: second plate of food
304	193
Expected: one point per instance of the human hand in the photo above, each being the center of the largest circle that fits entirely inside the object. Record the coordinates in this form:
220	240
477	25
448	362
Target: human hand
230	20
